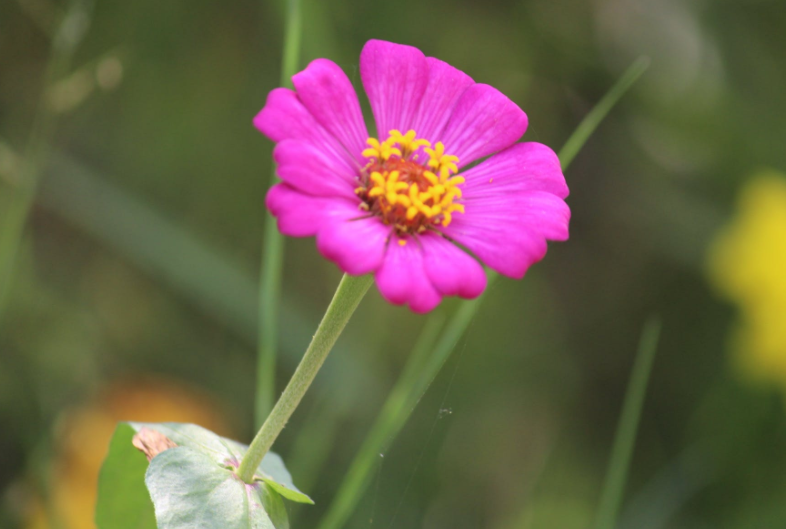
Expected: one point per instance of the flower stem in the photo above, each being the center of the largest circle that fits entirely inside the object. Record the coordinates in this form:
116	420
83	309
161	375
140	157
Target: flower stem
350	291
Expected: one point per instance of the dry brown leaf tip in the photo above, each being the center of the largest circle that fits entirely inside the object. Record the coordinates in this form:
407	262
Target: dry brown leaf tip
151	443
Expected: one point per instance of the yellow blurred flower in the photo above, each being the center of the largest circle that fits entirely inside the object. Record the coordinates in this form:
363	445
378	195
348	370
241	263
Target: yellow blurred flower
747	263
83	441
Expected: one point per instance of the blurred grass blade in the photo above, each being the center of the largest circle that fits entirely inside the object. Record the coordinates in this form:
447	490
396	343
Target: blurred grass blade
273	249
292	38
601	110
422	367
426	360
148	240
67	37
305	458
175	257
402	399
676	484
625	438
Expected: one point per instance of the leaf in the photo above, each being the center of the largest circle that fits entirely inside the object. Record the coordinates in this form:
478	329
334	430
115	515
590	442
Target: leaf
228	453
274	506
273	472
123	500
190	491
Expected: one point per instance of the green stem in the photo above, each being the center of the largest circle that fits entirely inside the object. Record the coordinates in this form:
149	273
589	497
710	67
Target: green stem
346	299
273	249
64	43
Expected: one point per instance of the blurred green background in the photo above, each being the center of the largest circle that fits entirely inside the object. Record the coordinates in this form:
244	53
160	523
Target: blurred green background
134	291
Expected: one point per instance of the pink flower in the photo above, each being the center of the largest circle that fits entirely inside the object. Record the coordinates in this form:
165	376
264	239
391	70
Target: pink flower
400	204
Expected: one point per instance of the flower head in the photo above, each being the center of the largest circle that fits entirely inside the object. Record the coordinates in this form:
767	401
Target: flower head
406	205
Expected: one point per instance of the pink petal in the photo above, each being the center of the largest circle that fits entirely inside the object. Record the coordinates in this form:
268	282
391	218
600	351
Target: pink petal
284	117
509	232
484	121
327	93
395	77
311	171
301	215
356	245
451	270
445	86
521	168
402	278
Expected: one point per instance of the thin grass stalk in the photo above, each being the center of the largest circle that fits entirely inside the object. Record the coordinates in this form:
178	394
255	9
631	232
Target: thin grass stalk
601	110
625	437
273	248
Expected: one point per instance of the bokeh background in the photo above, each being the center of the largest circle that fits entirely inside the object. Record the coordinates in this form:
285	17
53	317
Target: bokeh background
134	292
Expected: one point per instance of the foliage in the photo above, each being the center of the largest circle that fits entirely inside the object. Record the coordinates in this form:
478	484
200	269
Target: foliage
193	484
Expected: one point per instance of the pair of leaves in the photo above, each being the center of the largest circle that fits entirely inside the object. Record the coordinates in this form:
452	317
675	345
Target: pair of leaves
192	485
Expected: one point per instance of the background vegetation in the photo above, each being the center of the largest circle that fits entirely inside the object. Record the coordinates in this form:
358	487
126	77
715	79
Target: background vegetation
134	290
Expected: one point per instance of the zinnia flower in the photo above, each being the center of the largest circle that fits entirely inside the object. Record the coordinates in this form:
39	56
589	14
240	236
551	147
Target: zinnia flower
407	204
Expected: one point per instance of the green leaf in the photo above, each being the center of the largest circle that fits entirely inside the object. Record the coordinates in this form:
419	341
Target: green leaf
228	454
274	506
189	490
273	472
123	500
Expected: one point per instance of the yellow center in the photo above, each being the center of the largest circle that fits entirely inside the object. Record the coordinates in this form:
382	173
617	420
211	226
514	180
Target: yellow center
405	193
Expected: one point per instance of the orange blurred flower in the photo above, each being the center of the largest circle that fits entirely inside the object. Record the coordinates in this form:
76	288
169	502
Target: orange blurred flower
84	434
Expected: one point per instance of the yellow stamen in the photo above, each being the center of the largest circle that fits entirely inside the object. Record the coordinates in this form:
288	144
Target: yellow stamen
381	151
439	161
407	194
408	142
